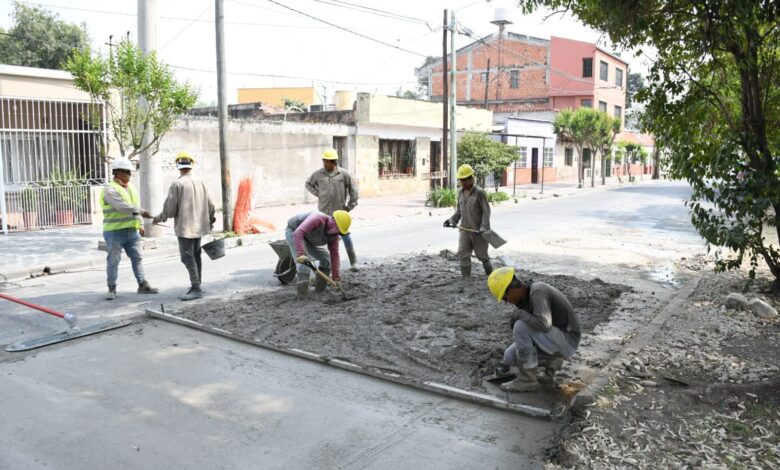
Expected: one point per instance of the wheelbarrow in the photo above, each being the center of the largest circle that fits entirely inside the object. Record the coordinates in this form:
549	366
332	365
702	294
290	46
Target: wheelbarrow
285	267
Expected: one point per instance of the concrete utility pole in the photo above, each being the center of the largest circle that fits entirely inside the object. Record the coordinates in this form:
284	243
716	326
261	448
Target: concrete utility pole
445	100
453	104
224	160
151	173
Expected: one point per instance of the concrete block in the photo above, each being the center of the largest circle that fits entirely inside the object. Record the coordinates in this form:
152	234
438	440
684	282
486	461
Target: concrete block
735	301
761	309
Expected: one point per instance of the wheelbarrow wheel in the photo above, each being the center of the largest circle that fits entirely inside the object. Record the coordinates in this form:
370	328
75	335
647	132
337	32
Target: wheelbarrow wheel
285	270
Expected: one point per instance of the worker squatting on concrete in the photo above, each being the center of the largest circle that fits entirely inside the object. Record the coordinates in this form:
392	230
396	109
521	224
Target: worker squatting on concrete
122	227
473	212
189	204
308	233
545	328
335	191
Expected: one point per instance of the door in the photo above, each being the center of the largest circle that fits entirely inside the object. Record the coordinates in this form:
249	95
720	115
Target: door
435	165
534	165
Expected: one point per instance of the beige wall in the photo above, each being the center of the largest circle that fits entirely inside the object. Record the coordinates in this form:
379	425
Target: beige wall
390	110
42	88
276	96
367	171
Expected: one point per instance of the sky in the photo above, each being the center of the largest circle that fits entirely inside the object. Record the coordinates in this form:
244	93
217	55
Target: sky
266	37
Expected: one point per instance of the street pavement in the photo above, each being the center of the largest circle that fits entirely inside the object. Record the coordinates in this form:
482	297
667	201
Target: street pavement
188	390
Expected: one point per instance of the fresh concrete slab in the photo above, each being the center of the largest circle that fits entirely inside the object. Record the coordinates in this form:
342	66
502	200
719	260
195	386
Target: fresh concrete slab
156	395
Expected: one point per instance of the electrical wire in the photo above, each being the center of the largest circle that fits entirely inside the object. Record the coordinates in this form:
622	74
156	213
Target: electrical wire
291	77
188	26
373	11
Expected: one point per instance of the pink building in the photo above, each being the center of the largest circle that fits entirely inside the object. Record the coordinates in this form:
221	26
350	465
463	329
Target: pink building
586	75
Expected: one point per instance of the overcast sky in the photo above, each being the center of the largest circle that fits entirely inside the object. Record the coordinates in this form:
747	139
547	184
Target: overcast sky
262	37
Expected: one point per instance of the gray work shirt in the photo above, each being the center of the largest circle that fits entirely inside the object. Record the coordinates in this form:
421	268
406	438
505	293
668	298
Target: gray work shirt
332	189
188	202
473	209
546	307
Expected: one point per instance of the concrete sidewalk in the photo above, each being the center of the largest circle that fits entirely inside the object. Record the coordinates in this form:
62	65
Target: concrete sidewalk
26	254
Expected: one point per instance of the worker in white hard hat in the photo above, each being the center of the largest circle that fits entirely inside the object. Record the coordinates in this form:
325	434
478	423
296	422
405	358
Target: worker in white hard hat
308	235
545	328
336	191
189	204
473	213
122	226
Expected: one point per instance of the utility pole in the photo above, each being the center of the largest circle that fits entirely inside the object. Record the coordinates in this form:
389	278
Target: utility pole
453	104
151	174
224	160
445	99
487	82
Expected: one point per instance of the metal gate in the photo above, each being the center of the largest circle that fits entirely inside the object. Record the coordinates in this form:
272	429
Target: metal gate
50	156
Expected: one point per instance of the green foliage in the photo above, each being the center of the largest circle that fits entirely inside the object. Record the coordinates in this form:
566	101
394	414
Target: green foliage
495	197
293	103
485	155
38	38
125	80
441	197
384	162
581	128
68	186
713	104
422	78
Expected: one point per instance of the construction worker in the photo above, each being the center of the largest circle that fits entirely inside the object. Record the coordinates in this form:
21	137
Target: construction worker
189	204
308	234
545	328
122	228
336	191
473	212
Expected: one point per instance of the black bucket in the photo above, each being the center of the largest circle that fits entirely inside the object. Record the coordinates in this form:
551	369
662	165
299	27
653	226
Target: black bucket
215	248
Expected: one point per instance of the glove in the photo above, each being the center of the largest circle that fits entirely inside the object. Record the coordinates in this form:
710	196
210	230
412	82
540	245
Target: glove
303	259
447	223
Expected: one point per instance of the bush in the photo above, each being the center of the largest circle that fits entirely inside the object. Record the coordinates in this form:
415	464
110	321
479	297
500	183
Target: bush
496	197
441	197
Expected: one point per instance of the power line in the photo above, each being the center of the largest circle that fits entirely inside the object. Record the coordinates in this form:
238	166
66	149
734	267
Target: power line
373	11
291	77
208	8
344	29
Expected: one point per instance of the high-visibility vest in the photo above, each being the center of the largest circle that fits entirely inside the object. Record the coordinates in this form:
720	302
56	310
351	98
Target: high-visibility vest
114	220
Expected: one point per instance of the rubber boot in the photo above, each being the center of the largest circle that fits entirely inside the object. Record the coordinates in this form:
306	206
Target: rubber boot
465	268
194	293
111	294
525	381
352	259
488	267
550	367
302	290
319	283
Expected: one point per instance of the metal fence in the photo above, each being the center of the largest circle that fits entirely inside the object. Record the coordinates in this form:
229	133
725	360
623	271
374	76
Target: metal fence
50	155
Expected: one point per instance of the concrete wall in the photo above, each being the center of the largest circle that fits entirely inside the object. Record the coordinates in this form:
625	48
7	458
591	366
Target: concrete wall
27	82
367	171
394	111
276	96
278	156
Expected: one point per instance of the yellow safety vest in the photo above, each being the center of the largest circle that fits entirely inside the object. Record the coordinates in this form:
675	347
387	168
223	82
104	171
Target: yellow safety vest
114	220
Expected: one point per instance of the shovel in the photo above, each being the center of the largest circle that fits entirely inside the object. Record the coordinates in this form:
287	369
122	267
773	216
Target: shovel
490	236
328	279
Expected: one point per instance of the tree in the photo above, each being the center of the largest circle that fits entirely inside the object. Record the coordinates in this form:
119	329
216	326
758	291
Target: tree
634	84
577	127
135	76
485	155
607	128
293	103
632	153
40	39
713	103
422	79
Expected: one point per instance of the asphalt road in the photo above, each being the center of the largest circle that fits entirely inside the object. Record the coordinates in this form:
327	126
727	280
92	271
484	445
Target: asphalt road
155	395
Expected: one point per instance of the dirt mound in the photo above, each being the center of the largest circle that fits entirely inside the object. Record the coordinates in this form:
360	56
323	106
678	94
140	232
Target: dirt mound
414	316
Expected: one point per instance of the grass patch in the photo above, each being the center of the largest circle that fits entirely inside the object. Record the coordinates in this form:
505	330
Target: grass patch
441	197
496	197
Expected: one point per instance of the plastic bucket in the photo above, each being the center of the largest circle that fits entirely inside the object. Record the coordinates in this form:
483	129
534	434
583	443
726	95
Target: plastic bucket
215	248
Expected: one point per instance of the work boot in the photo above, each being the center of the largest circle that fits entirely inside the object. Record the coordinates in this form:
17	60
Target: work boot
525	381
111	294
465	270
550	367
319	283
488	267
352	259
145	288
192	294
302	290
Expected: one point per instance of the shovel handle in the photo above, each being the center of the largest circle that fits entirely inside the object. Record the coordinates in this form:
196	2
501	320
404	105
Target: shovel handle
321	274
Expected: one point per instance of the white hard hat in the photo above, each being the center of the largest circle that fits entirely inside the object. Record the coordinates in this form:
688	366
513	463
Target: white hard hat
121	163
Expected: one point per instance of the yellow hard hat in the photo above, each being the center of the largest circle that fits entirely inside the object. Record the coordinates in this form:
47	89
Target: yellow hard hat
343	221
499	280
464	171
330	154
183	157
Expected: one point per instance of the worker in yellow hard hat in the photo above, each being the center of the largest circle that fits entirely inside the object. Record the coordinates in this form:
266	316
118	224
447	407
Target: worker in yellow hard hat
308	234
545	328
335	190
473	213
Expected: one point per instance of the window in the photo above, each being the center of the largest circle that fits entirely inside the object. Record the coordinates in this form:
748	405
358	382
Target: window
586	157
587	67
604	71
618	112
603	106
619	77
586	103
522	157
397	157
568	156
548	157
484	76
514	79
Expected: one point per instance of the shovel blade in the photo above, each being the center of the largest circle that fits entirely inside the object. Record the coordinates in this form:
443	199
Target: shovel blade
494	239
